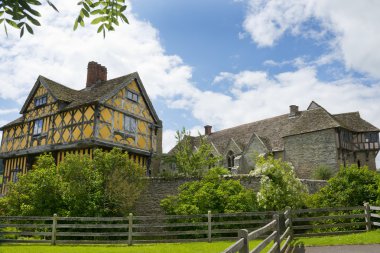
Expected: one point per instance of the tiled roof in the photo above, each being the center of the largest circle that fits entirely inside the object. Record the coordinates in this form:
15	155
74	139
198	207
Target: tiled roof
96	93
272	130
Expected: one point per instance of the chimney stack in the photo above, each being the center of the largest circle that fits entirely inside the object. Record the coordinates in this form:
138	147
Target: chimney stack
95	73
208	129
293	111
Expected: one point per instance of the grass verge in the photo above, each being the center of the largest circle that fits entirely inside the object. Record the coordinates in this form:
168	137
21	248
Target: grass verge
371	237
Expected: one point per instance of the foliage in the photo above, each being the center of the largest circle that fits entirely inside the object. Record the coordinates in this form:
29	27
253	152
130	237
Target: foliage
108	185
81	186
36	193
279	186
351	186
191	162
123	180
214	193
22	14
322	173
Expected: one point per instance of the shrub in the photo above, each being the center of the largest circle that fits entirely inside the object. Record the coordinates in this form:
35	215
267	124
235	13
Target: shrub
351	186
279	186
213	193
322	173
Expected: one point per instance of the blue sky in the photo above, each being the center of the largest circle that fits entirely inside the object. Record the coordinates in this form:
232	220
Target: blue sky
214	62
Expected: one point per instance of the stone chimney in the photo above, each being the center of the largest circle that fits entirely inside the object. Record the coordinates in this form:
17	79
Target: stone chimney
95	73
293	111
208	129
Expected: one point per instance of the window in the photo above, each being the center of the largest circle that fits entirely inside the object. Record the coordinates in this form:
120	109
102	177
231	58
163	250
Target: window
15	174
371	137
40	100
230	159
38	126
132	96
130	124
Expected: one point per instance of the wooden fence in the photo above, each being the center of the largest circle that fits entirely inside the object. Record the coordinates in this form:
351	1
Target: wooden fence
281	226
128	230
309	223
242	244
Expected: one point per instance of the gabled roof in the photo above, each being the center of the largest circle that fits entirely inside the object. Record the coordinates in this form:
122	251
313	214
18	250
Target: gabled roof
272	131
97	93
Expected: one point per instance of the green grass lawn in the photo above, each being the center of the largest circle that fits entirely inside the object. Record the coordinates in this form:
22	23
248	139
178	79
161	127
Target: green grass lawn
359	238
199	247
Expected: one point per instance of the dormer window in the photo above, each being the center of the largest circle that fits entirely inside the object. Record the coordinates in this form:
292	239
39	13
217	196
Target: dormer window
37	129
132	96
40	101
230	159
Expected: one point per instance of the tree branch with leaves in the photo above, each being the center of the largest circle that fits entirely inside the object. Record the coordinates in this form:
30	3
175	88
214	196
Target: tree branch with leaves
22	14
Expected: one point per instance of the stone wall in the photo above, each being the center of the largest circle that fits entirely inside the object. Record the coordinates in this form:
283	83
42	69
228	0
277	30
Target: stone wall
159	188
310	150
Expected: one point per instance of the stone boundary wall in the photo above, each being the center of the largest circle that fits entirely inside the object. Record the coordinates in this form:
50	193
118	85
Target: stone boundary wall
159	188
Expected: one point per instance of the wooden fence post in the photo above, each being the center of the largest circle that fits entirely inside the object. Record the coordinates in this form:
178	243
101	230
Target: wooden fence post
209	225
130	224
289	216
243	233
367	212
278	230
54	230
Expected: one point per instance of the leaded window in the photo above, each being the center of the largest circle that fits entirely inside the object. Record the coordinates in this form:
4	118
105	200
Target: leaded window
130	124
132	96
40	100
37	129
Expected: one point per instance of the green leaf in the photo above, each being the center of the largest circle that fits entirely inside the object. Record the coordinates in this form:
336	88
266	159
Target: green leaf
22	32
98	20
29	28
12	23
1	20
123	8
85	13
75	25
52	5
124	18
86	7
34	21
101	27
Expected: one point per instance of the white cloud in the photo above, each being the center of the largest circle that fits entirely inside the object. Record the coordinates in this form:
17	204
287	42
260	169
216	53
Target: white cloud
353	23
57	52
8	111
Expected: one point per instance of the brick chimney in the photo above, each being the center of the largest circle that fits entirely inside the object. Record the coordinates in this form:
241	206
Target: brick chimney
95	73
208	129
293	111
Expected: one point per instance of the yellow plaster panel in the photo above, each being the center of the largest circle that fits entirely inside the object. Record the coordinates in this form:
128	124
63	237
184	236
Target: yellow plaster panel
133	86
56	137
106	114
58	120
77	116
130	141
66	135
141	143
87	133
89	113
104	132
142	127
67	118
76	134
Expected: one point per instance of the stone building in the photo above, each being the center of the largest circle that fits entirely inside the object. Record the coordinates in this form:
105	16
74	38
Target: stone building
104	114
307	139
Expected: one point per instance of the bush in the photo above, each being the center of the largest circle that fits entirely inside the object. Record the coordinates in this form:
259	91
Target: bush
351	186
279	186
322	173
213	193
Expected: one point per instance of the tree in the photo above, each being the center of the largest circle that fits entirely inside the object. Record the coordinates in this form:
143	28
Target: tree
108	185
81	186
279	186
122	181
351	186
22	14
36	193
190	162
213	193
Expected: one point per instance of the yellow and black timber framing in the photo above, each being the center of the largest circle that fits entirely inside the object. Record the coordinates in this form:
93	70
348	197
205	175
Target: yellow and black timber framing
60	120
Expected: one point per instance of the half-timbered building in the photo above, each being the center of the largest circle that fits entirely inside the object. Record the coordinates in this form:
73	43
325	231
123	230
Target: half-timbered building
61	120
308	139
